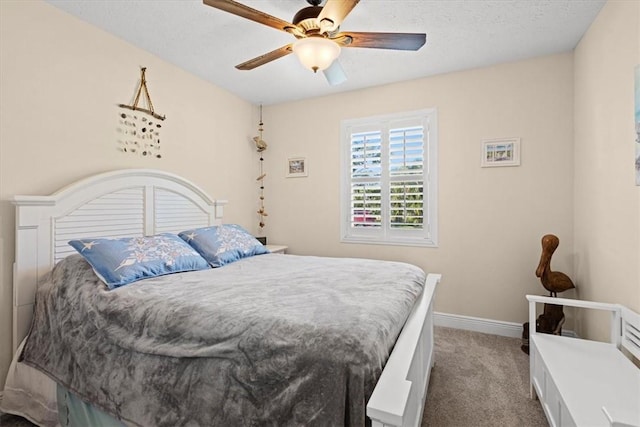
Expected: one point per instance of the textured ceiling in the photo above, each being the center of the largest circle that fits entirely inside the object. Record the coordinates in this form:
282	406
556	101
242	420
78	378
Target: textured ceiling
461	34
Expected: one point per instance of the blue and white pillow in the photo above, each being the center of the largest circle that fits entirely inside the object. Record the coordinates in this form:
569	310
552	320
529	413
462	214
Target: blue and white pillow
121	261
223	244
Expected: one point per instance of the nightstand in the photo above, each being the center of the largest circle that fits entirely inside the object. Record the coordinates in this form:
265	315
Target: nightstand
277	249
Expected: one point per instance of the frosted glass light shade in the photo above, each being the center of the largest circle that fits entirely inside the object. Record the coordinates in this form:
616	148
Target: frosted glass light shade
316	53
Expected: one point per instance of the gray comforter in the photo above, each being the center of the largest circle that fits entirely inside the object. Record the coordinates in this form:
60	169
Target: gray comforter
269	340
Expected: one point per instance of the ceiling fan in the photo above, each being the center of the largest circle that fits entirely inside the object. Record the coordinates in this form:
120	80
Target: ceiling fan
319	39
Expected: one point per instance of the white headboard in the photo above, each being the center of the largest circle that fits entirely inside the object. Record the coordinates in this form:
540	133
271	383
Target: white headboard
123	203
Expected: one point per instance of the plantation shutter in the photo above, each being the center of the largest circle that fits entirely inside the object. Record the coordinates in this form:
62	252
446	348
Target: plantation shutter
389	189
392	195
366	171
406	171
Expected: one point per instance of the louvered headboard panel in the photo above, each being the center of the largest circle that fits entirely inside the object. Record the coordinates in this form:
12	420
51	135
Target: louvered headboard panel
175	213
125	203
117	214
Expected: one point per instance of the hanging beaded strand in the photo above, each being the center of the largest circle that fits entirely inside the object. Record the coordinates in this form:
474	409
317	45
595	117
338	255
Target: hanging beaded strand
261	146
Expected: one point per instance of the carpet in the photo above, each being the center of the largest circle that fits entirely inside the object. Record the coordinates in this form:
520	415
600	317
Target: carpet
479	380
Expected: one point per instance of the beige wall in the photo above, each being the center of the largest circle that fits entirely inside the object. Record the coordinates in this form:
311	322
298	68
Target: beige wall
61	80
491	219
607	201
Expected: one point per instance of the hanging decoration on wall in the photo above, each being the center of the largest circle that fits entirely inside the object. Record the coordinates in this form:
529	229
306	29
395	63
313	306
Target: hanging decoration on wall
139	124
261	146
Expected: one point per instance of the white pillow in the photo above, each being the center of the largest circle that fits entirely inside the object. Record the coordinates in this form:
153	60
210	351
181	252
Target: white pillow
30	394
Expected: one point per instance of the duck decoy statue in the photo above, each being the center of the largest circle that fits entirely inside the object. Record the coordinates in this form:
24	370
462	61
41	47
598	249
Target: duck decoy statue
553	281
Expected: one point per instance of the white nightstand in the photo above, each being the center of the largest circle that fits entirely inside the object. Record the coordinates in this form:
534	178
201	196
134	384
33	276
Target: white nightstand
277	249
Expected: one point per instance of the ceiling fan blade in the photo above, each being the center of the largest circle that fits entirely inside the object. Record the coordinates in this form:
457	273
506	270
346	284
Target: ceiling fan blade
239	9
335	74
267	57
397	41
335	11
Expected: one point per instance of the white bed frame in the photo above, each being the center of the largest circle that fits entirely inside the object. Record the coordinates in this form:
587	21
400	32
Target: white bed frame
143	202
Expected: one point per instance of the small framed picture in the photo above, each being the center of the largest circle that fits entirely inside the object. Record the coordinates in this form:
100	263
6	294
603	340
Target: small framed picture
297	167
500	152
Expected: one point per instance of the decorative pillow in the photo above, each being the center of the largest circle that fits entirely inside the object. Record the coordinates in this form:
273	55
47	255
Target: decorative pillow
223	244
121	261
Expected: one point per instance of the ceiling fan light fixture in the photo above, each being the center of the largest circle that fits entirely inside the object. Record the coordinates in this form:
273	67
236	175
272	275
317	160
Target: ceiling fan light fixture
316	53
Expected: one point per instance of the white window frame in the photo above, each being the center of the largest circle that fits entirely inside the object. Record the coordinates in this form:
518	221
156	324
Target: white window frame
385	235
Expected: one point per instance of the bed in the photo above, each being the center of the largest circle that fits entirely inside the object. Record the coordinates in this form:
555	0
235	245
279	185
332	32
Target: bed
139	202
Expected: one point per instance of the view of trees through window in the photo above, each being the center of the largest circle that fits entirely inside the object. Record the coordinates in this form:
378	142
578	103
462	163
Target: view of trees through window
389	163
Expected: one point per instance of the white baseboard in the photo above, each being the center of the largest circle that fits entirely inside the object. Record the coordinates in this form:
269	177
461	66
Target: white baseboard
476	324
486	326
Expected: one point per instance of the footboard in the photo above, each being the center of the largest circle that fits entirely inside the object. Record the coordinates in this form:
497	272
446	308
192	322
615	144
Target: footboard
399	396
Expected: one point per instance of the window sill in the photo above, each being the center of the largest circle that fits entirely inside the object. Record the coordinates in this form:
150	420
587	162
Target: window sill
424	243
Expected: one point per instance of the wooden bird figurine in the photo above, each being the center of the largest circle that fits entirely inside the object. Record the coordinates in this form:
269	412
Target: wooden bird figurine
553	281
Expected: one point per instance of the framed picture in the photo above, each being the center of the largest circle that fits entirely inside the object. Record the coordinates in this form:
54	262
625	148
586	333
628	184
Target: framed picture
297	167
500	152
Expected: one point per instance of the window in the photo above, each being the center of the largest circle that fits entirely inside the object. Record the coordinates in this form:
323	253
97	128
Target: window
389	179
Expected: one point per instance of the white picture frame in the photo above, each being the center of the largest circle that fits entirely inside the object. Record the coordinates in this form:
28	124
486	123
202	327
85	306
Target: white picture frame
499	152
297	167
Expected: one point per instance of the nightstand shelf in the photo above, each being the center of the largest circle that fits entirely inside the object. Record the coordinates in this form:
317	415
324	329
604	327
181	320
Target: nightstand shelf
277	249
